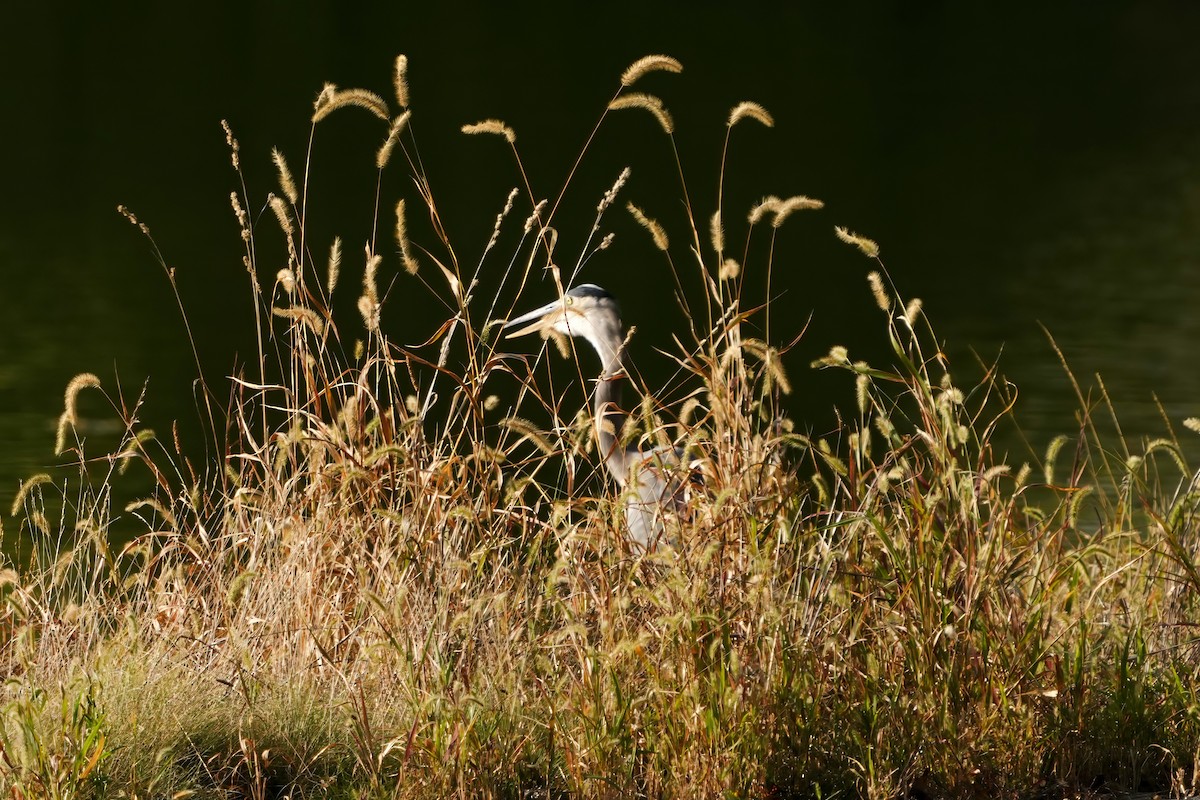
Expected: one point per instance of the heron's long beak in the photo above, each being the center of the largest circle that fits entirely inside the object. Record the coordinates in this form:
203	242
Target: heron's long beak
538	319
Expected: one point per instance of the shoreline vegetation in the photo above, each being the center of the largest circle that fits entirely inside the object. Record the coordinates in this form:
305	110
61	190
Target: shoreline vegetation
403	575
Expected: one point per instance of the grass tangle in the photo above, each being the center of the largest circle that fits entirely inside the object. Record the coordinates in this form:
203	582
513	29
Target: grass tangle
392	583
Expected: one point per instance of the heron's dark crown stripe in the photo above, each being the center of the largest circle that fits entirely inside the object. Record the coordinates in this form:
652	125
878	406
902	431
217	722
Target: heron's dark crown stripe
589	290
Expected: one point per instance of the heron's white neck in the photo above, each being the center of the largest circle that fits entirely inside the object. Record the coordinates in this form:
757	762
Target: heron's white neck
608	414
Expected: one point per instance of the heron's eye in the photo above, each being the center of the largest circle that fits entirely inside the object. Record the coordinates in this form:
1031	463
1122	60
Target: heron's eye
568	300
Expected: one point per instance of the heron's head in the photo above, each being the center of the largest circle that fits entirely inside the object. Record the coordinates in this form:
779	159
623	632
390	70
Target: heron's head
587	311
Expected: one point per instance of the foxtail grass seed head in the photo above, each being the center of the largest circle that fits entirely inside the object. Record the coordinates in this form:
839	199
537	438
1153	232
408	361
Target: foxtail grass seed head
384	154
400	80
60	433
361	98
793	204
838	356
749	110
717	232
84	380
867	246
335	263
730	269
133	220
1052	450
882	299
286	183
70	417
406	253
508	205
325	96
767	205
611	195
240	214
527	430
656	231
303	316
862	386
24	490
370	284
648	102
535	217
492	126
645	64
370	313
491	402
912	311
234	147
287	279
281	213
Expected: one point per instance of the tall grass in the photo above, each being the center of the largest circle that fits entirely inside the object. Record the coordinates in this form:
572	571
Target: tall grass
405	576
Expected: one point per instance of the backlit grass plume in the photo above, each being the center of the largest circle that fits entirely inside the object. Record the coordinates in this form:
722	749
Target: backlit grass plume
646	64
649	103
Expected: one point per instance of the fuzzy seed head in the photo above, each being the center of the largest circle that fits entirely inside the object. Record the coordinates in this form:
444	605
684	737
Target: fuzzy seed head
406	253
655	63
867	246
370	285
281	213
492	126
335	262
370	313
785	208
360	98
749	110
912	311
881	296
401	80
287	279
648	102
286	183
384	154
768	205
656	231
302	316
717	232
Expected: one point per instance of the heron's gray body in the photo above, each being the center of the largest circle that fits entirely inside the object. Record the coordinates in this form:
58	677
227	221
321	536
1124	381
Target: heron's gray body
649	477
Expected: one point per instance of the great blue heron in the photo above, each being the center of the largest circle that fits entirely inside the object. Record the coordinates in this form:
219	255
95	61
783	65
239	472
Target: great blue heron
650	476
